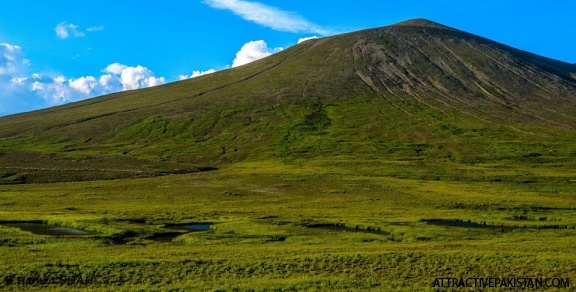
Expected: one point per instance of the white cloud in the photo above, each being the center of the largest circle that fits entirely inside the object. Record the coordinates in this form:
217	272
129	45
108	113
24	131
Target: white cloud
11	59
115	68
307	39
196	74
139	77
65	30
95	28
54	91
83	84
110	83
253	51
13	77
60	90
19	80
268	16
21	91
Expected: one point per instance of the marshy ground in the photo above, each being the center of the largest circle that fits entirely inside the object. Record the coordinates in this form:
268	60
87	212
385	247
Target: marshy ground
286	228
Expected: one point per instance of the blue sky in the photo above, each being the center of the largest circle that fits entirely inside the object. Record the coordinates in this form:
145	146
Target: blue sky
55	52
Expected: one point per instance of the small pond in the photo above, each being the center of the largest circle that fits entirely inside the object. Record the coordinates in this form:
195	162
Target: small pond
342	227
183	228
469	223
41	228
460	223
190	227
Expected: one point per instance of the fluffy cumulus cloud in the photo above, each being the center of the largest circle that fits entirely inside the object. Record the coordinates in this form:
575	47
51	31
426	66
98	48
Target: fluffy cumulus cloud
110	83
22	90
17	87
249	52
129	77
197	73
115	68
83	84
54	90
268	16
200	73
253	51
139	77
65	30
59	89
307	39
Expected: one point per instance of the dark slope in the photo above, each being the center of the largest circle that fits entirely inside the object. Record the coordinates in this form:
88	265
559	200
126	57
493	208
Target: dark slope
414	88
449	70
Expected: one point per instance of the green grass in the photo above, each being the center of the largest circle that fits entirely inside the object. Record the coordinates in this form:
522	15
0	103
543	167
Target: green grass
260	239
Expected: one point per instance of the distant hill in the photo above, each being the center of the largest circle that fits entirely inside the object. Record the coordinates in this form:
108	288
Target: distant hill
413	89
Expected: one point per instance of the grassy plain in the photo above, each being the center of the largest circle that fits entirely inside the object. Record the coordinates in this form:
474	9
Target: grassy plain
270	229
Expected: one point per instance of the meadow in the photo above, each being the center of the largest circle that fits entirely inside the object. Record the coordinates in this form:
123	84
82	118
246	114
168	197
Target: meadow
280	227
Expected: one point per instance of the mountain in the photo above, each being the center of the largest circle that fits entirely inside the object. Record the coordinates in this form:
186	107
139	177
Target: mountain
416	90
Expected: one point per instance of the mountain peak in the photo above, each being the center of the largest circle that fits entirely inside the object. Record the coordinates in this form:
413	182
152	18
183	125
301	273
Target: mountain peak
421	22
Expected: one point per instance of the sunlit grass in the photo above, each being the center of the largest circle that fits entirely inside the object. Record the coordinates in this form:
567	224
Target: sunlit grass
261	240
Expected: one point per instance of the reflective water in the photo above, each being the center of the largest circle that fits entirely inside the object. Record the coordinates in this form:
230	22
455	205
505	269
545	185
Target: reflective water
183	228
342	227
189	226
46	229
